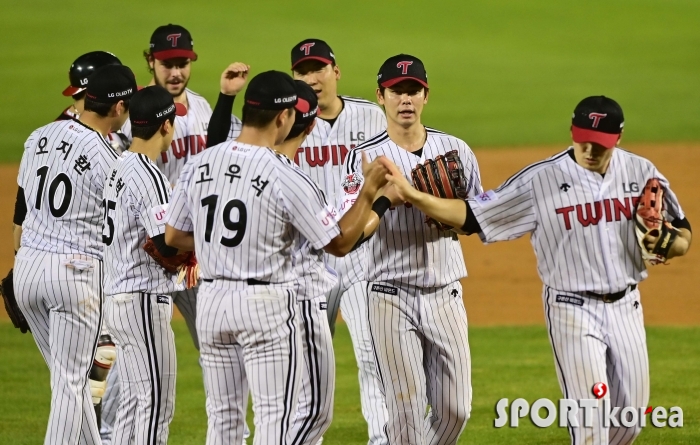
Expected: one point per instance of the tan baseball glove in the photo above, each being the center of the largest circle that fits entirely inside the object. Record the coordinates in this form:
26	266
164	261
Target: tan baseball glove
655	235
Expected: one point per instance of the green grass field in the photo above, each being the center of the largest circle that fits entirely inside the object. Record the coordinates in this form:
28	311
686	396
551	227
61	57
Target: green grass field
505	72
506	362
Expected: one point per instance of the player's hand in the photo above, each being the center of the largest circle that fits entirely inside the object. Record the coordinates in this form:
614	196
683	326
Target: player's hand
374	173
391	192
403	189
233	78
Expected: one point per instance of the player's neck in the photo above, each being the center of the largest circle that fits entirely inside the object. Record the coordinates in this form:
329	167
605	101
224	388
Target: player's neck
151	148
102	125
333	110
262	137
410	139
289	148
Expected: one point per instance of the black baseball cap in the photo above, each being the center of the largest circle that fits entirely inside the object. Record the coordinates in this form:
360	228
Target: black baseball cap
84	66
153	105
307	104
170	41
402	67
110	84
271	90
312	49
597	119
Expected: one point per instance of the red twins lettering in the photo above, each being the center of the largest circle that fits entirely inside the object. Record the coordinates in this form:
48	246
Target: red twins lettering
306	47
596	118
404	66
172	38
591	213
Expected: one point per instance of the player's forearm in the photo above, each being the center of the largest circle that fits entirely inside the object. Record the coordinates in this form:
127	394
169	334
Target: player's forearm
448	211
17	236
681	245
353	224
183	241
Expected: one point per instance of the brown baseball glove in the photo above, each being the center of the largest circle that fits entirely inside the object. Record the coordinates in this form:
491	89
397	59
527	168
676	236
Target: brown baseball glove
8	295
171	264
442	177
655	235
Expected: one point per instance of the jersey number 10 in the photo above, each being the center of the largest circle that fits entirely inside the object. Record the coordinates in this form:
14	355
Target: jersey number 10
60	178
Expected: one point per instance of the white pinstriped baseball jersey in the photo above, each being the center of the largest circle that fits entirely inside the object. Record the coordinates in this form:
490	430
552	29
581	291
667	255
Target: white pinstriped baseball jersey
245	206
136	197
404	249
62	172
314	276
190	136
117	140
582	223
235	130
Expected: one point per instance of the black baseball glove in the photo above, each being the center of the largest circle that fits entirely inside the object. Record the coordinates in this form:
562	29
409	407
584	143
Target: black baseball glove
8	295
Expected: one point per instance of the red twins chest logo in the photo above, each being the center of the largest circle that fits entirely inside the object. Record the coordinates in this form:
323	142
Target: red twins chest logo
404	66
596	117
306	47
351	184
172	38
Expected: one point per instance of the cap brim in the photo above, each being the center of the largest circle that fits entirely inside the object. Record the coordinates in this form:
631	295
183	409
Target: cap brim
607	140
180	110
71	90
173	53
391	82
319	58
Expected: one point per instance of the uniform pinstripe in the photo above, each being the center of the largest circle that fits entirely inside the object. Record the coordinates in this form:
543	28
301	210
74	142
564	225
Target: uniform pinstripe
244	206
417	319
582	229
321	156
58	269
138	305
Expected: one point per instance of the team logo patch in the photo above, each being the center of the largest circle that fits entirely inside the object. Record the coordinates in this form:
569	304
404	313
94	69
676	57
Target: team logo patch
163	299
569	299
158	213
382	289
352	183
486	197
323	305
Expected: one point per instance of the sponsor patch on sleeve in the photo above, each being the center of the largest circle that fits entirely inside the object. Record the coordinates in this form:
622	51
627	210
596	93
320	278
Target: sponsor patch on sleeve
158	213
486	197
328	217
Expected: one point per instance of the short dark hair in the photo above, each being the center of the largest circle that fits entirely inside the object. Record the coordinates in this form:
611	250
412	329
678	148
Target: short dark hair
310	65
296	130
382	89
257	118
100	108
78	96
147	133
149	58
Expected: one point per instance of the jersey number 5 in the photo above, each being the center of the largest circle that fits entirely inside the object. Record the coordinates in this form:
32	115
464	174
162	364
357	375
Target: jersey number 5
60	179
238	225
108	222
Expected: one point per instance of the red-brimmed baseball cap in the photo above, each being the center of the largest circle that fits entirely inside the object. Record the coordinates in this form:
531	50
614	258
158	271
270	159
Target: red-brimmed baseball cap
170	41
597	119
84	66
312	49
402	67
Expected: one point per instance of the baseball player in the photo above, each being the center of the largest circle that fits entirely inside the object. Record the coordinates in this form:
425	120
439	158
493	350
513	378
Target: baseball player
169	59
138	306
223	124
58	269
578	206
417	320
78	74
243	207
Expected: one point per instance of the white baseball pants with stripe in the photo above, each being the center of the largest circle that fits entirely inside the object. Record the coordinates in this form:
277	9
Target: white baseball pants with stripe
249	338
595	342
61	298
314	412
146	364
421	344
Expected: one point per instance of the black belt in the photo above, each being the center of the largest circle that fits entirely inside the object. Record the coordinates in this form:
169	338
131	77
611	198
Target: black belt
249	281
611	298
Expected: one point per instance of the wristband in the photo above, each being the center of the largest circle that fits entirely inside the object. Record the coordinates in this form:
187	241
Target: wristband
381	205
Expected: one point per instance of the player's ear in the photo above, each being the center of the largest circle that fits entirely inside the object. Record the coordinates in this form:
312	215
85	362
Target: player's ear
619	138
336	70
380	96
166	127
426	92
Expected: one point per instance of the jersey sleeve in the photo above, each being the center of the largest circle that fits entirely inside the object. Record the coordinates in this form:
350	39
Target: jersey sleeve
100	165
28	152
471	170
307	208
178	213
153	205
507	212
671	204
351	181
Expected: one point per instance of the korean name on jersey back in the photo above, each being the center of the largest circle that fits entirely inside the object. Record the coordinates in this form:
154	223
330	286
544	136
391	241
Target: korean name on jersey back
62	172
245	206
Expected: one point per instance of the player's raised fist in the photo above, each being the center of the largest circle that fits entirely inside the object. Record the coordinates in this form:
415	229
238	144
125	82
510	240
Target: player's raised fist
401	186
234	78
374	173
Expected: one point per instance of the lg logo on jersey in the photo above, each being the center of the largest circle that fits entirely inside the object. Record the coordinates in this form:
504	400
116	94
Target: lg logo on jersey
568	411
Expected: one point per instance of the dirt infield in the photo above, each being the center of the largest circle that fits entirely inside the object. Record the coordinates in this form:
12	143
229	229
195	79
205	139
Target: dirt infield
503	286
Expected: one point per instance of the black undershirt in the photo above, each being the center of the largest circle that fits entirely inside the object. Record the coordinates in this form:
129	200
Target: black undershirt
331	122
